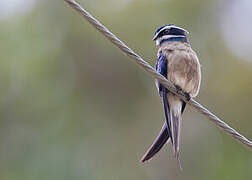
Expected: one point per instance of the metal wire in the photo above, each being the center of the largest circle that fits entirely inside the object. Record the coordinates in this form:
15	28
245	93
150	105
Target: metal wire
147	67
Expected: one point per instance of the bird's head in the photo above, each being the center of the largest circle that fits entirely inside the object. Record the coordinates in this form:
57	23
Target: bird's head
170	32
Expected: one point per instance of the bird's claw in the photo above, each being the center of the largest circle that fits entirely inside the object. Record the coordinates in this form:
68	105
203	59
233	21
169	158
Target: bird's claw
180	91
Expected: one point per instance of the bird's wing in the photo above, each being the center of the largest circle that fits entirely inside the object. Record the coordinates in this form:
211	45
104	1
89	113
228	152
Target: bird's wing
161	67
162	138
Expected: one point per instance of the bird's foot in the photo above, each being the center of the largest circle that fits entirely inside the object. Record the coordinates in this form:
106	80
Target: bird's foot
180	91
187	96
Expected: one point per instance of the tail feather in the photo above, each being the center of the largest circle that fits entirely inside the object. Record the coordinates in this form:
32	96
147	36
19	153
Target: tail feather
159	142
175	131
173	109
176	106
167	112
165	132
176	135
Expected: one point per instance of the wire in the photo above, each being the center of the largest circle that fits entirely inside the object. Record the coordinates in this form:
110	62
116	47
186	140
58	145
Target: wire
147	67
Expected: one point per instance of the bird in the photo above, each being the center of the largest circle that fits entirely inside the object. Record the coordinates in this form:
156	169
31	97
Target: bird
177	62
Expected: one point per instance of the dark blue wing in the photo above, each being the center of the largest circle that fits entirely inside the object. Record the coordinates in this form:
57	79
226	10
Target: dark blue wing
165	133
161	67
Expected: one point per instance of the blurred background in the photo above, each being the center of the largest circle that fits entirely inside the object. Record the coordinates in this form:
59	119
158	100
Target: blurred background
64	115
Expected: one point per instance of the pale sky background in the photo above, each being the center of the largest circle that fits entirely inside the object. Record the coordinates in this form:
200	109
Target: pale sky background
11	8
236	31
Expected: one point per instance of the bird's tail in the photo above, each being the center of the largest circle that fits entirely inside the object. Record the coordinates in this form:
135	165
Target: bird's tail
165	132
176	107
158	143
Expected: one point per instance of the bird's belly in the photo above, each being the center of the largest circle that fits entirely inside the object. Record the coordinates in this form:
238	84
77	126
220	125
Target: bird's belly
178	75
180	80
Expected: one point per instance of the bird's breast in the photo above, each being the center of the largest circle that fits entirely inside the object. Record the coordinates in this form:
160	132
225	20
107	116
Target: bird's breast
183	69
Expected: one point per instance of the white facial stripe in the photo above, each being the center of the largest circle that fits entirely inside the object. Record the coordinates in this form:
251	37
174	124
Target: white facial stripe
170	36
166	37
172	26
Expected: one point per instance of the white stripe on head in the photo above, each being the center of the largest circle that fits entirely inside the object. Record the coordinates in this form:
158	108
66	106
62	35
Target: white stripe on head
172	26
167	37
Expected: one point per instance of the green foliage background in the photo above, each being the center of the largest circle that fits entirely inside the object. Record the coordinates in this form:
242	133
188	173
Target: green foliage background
64	115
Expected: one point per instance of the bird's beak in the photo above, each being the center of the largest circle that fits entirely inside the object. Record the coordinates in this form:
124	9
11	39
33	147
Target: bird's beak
155	37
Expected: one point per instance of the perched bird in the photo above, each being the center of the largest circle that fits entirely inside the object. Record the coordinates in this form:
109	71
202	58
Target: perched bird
180	65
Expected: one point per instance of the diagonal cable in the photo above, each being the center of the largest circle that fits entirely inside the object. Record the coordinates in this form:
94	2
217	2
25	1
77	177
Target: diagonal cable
147	67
